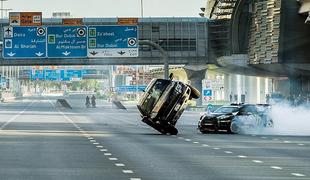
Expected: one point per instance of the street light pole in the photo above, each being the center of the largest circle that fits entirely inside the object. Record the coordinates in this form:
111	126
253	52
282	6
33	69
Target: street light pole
163	53
141	7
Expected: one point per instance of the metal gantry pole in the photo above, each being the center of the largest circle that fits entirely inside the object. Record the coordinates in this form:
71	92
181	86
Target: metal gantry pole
162	51
141	6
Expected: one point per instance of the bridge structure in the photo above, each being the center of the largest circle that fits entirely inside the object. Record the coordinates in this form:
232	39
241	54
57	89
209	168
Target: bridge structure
184	40
266	38
257	38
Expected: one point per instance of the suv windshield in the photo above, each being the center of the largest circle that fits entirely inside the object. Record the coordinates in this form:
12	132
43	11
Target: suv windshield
226	110
154	94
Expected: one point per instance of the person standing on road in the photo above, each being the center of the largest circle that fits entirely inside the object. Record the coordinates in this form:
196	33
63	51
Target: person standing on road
87	103
93	101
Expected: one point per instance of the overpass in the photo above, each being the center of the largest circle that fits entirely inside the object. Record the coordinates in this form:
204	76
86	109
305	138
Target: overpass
184	39
266	38
238	36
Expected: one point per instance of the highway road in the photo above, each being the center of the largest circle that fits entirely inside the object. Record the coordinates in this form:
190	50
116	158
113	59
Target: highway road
39	140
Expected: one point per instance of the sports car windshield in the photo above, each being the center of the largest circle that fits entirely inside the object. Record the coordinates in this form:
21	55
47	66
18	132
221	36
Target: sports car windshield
226	110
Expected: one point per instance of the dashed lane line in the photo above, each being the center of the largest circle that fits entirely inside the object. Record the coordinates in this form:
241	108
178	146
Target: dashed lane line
241	156
127	171
298	174
257	161
119	164
113	159
244	157
276	167
99	146
15	117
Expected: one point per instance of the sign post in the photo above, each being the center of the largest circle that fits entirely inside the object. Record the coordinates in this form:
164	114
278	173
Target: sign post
24	42
112	41
25	18
66	41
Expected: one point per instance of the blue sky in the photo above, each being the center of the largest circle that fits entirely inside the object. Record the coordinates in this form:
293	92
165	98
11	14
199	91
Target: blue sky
110	8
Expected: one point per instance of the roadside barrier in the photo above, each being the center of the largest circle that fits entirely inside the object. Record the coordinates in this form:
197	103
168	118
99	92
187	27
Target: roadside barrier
119	105
63	103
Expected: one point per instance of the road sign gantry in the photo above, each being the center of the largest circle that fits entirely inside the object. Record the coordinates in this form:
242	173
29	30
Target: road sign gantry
24	42
112	41
30	42
66	41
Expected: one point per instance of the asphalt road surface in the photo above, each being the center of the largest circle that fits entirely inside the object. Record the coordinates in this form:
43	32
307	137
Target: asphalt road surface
39	140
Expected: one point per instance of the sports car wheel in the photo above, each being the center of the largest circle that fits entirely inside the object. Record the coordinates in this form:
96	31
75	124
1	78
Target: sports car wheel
234	128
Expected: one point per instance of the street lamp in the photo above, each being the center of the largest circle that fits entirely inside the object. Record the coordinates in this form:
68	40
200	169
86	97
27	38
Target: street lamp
141	7
2	9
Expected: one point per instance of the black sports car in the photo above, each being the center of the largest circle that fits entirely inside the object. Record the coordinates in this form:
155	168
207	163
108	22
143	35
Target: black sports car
236	118
163	102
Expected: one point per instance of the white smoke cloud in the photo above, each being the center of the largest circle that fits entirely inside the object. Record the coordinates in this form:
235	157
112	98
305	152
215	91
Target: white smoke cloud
290	120
287	120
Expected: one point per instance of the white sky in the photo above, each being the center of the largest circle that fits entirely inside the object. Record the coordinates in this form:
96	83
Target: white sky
109	8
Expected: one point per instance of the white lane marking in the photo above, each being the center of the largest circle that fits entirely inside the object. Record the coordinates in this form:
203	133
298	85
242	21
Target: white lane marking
103	150
180	137
298	174
300	144
15	117
95	143
228	152
205	145
196	142
107	154
241	156
188	140
135	179
92	140
258	161
119	165
287	141
216	148
99	146
127	171
113	159
276	167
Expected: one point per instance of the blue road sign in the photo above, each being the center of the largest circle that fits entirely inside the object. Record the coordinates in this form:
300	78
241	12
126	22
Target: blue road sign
207	92
89	72
112	41
70	75
131	88
51	74
67	41
24	42
37	75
